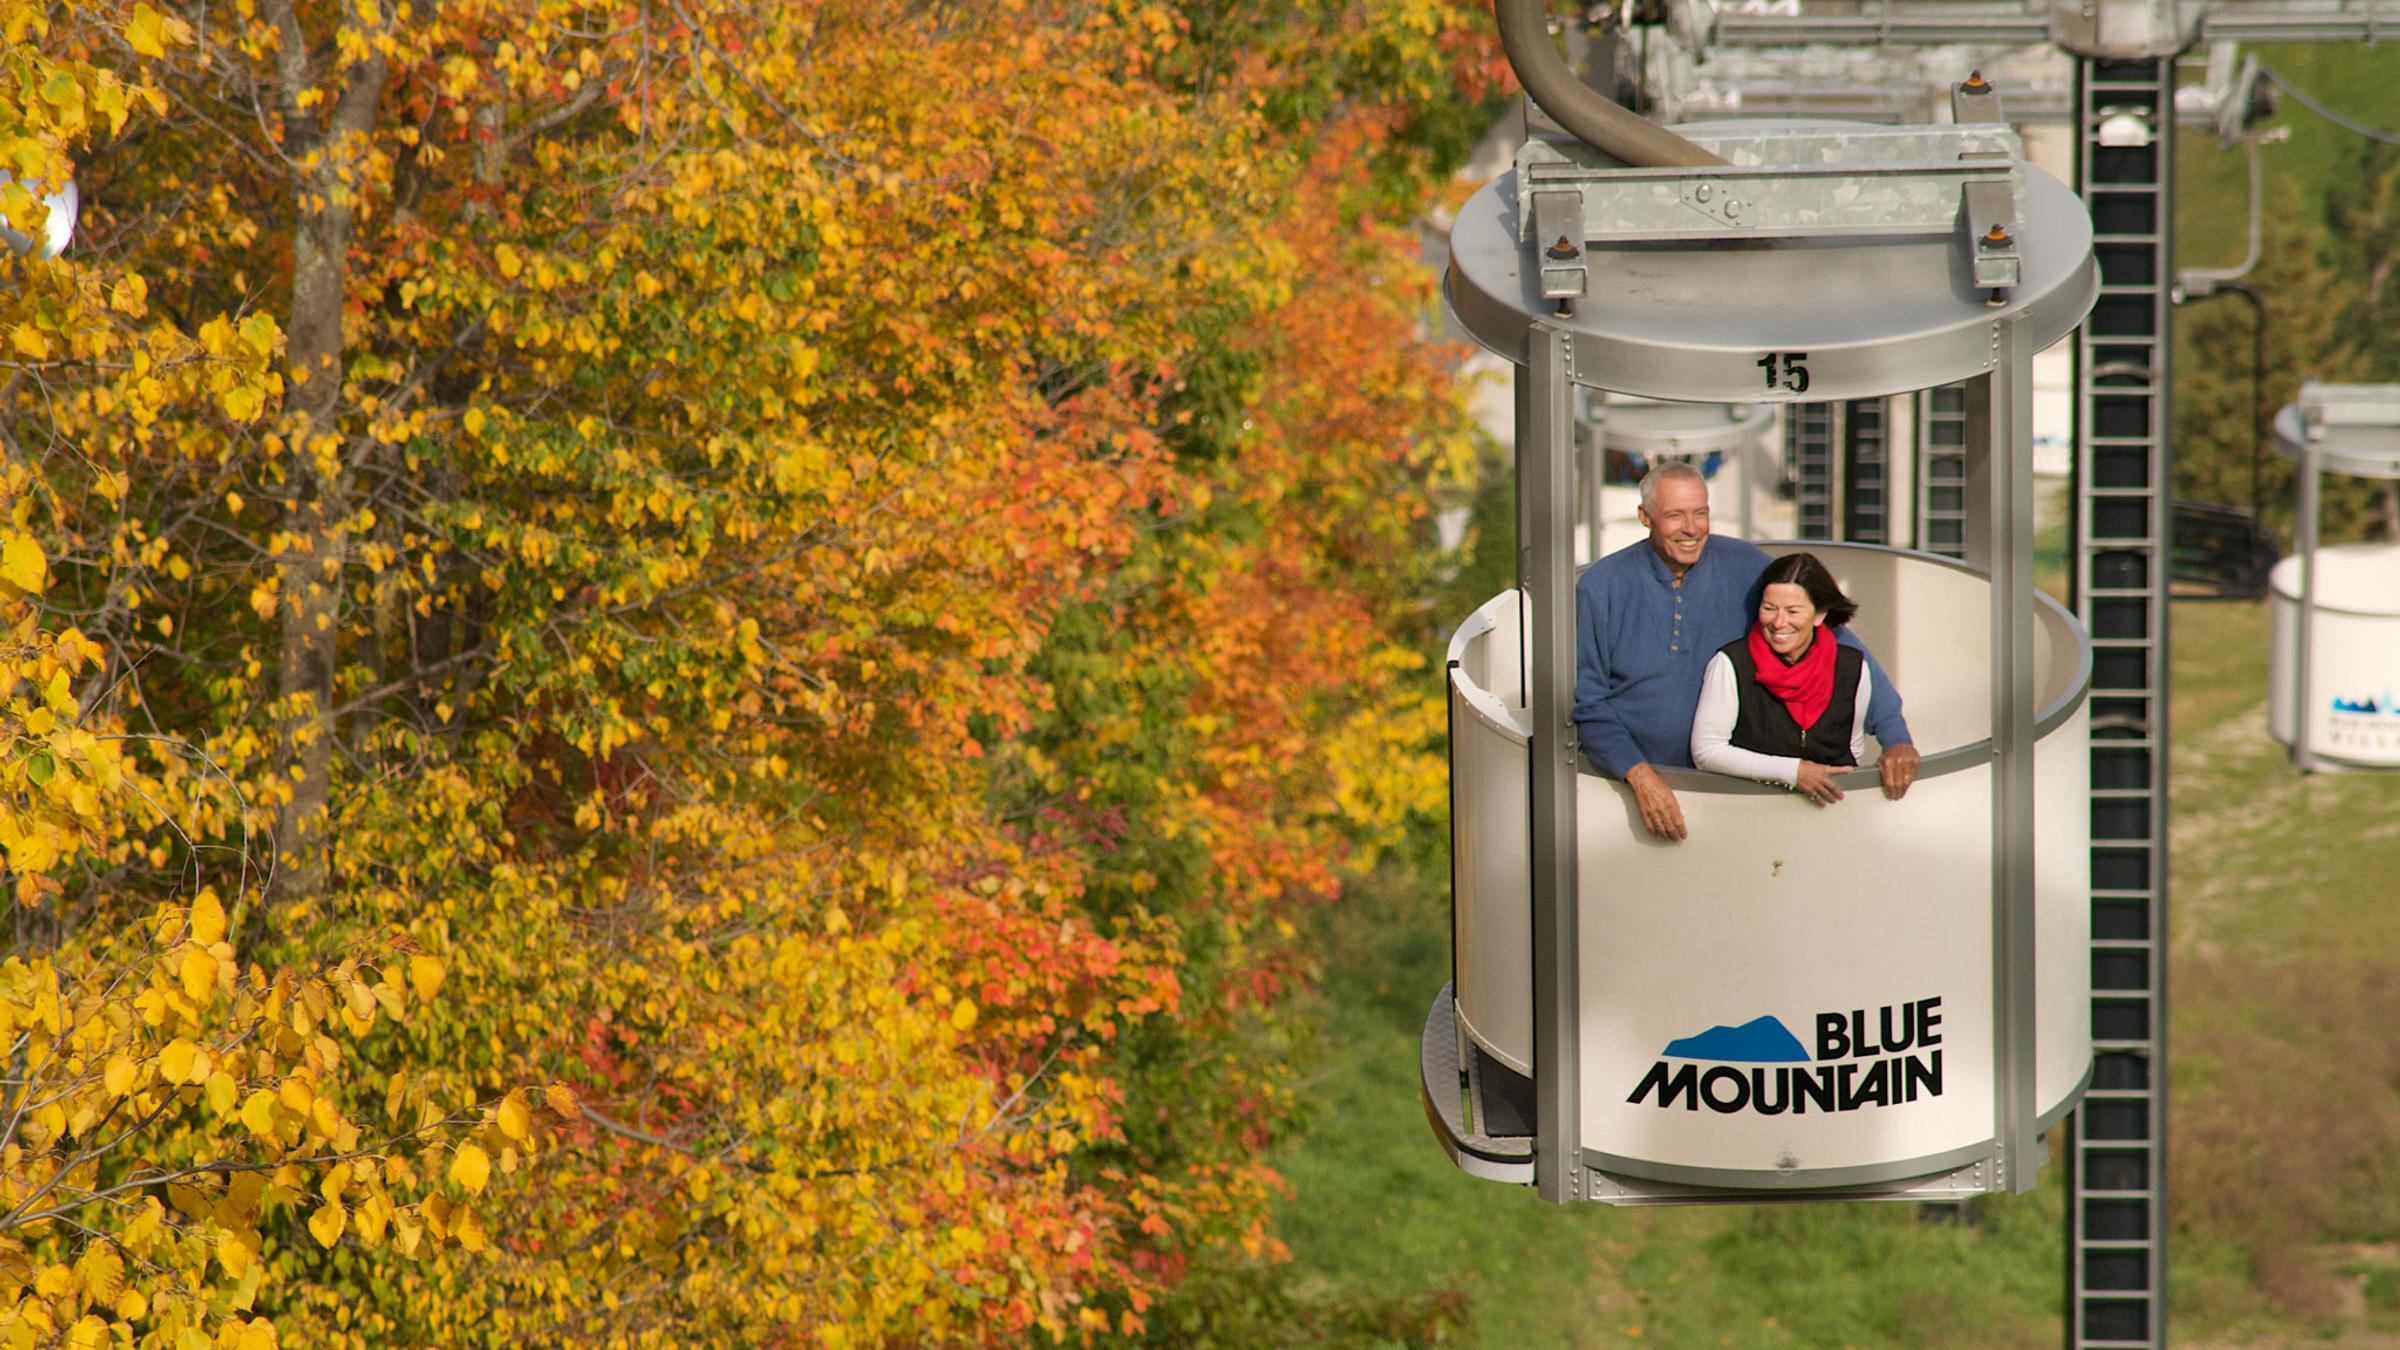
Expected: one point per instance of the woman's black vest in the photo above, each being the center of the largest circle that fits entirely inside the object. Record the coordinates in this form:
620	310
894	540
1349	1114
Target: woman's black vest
1764	725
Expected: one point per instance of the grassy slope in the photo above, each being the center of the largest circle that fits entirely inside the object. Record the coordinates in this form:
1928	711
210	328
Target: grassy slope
2286	970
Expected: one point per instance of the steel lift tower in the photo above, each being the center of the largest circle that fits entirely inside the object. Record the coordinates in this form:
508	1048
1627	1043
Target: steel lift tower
2124	109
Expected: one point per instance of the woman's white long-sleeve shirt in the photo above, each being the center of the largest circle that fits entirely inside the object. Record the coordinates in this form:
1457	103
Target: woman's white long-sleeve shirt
1712	729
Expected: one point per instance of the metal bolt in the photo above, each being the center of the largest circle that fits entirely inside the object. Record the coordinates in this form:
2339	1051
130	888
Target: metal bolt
1975	83
1996	236
1703	192
1563	249
1732	208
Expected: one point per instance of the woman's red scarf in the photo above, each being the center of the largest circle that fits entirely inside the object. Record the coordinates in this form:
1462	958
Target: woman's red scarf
1806	685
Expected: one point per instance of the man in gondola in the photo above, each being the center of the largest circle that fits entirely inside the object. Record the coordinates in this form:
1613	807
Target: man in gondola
1648	617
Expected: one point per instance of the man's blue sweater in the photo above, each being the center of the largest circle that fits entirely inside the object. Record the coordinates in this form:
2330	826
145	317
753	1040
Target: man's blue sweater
1642	642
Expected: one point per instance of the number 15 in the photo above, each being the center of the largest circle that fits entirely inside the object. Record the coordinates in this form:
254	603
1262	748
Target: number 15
1785	372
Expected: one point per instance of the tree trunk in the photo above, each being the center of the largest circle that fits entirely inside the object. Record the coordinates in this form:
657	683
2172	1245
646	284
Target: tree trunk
310	567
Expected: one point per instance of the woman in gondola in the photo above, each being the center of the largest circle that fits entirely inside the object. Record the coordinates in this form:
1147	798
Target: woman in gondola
1786	703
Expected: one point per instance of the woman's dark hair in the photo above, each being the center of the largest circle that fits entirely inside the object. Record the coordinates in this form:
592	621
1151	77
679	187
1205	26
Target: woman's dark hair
1804	571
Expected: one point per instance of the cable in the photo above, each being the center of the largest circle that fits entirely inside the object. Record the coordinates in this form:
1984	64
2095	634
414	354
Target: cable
2302	98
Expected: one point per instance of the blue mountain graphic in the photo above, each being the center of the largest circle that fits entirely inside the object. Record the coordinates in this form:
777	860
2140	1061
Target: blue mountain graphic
1761	1040
2367	705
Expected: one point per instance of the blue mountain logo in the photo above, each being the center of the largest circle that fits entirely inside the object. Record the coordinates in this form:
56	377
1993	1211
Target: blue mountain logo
1761	1040
2366	704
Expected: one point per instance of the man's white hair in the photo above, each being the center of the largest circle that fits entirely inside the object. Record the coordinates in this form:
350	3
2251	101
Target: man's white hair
1669	469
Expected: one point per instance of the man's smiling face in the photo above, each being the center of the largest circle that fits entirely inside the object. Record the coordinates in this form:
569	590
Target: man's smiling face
1677	517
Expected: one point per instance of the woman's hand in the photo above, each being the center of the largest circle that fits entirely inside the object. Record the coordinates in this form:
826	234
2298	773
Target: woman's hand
1816	783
